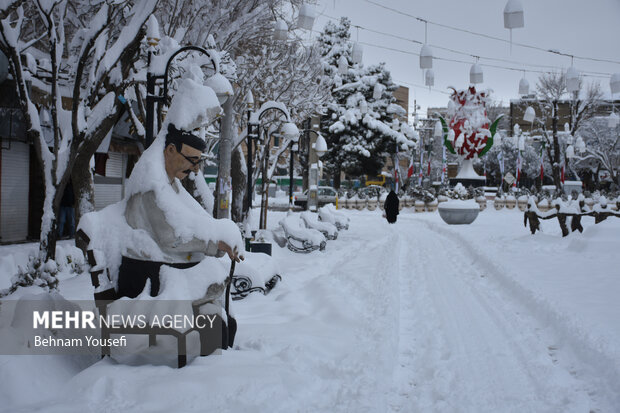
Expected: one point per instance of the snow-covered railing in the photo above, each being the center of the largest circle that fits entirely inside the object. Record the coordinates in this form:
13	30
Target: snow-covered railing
600	212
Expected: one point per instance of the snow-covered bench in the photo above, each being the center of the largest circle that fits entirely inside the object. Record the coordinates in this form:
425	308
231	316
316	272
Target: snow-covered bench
98	236
311	220
329	213
299	238
257	273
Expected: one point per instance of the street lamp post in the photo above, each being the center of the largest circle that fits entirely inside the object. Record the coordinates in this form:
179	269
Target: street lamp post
151	80
289	130
294	149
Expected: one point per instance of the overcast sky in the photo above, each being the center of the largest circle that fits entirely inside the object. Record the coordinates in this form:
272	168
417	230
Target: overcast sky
581	28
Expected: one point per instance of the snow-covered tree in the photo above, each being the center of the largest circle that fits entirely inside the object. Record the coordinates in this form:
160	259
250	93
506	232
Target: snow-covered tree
360	124
551	88
69	60
602	147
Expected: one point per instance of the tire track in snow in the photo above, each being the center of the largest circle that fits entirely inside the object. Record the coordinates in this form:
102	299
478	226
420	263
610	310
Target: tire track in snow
464	347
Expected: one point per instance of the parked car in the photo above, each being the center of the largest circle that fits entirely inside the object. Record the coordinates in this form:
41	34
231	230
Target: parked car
327	195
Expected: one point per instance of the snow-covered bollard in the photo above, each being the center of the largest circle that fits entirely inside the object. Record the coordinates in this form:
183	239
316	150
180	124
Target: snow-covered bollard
419	205
371	203
457	212
482	201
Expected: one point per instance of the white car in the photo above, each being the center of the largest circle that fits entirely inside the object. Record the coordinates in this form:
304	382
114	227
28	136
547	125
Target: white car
327	195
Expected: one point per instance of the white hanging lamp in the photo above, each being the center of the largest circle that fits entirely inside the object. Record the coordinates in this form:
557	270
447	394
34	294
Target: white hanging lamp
426	57
429	78
513	17
580	145
524	86
306	17
343	65
614	83
280	30
572	79
357	52
529	114
497	139
438	132
475	74
613	120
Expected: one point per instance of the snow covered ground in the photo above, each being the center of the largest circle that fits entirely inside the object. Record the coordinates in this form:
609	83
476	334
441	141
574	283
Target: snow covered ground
413	317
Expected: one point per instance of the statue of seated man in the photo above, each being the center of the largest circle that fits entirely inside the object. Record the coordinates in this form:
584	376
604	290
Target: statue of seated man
182	154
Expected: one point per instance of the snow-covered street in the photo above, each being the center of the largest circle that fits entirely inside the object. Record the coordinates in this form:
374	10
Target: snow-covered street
416	316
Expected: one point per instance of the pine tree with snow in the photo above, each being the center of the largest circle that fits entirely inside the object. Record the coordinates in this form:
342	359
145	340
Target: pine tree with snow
360	124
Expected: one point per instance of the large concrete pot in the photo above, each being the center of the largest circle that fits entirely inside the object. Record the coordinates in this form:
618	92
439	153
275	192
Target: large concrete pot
459	212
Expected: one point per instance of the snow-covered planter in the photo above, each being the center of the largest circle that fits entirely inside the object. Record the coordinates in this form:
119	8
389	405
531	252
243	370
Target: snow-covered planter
419	205
371	203
511	202
457	212
482	201
499	202
543	205
522	202
432	205
360	203
442	198
382	199
589	203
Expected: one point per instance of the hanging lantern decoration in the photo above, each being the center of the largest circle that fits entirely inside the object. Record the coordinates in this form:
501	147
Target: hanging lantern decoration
572	80
343	65
614	83
429	78
438	132
475	74
395	125
513	17
377	92
524	86
306	17
529	114
357	52
613	120
426	57
280	31
521	144
570	152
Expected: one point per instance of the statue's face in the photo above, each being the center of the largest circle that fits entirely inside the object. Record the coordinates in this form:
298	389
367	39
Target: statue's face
180	164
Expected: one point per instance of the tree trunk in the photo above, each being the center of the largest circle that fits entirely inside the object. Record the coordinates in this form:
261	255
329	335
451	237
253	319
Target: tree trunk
225	149
83	186
239	180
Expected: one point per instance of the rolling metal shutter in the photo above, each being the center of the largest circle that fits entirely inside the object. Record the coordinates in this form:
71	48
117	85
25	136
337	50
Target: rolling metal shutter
14	192
109	189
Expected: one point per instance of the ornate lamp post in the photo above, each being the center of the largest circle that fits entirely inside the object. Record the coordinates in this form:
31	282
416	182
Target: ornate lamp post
152	78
